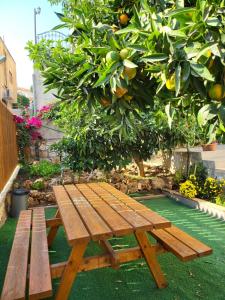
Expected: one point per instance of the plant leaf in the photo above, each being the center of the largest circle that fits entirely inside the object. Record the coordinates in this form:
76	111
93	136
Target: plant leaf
129	64
202	71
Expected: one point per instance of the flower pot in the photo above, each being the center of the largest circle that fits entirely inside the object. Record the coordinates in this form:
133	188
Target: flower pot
209	147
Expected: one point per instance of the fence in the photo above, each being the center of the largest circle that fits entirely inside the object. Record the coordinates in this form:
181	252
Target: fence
8	147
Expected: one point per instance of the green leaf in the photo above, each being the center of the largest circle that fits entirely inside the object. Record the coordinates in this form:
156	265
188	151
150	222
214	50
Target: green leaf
98	50
203	114
221	113
129	64
136	17
113	43
206	47
185	71
156	57
169	114
177	79
180	11
202	71
128	29
137	48
214	22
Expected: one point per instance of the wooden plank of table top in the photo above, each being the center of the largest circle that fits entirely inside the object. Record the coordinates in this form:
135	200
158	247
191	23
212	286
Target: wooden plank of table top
151	216
16	274
96	226
118	225
137	221
73	225
179	249
188	240
40	283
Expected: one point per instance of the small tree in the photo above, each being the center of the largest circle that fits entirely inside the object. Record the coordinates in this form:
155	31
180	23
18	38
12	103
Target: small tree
125	53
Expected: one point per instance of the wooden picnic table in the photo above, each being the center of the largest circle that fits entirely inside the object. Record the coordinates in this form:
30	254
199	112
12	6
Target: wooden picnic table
98	212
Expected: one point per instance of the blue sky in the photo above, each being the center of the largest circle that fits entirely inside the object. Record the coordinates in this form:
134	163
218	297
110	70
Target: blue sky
16	27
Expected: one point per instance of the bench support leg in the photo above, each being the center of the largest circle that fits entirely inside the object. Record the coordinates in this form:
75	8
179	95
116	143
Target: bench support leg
71	270
53	231
151	259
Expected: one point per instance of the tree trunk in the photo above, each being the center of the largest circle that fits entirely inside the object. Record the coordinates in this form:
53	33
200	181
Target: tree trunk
188	161
140	165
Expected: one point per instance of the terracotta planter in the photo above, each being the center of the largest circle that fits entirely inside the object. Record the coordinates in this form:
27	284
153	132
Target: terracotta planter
209	147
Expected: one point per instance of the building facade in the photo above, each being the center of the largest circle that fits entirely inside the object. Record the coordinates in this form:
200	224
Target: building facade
8	82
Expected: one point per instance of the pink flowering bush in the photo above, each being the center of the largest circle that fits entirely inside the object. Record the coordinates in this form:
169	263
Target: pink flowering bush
27	131
34	122
44	111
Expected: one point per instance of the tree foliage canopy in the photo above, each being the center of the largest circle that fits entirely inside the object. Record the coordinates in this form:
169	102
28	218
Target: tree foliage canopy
123	54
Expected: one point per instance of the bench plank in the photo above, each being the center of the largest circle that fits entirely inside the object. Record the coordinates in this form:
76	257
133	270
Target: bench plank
94	223
118	225
73	225
188	240
15	286
179	249
133	218
40	284
154	218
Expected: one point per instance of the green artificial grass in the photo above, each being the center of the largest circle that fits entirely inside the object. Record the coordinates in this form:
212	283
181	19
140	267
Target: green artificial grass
202	278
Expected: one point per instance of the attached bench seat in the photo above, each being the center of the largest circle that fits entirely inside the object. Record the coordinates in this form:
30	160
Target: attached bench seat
181	244
40	285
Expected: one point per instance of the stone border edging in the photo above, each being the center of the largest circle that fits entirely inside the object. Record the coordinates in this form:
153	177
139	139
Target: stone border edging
202	205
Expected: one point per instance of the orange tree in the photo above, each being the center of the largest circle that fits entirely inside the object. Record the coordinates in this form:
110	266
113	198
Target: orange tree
124	54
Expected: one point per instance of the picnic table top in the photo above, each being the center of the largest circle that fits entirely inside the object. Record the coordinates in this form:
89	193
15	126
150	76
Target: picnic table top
99	211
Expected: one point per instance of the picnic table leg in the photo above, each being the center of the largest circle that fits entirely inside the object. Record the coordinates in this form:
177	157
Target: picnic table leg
151	259
53	231
71	270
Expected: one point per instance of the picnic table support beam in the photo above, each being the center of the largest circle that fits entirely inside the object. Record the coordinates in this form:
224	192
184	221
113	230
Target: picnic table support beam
102	261
149	253
106	246
53	231
71	270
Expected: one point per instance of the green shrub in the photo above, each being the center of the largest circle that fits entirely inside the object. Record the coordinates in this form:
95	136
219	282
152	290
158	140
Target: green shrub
200	171
45	169
220	199
38	185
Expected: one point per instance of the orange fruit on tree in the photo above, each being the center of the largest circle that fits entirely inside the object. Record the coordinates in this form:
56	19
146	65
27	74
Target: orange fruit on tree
130	73
105	102
217	92
120	92
124	19
124	53
170	83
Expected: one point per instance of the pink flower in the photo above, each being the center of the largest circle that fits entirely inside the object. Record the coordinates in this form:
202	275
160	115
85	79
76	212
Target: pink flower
34	122
18	119
35	135
45	109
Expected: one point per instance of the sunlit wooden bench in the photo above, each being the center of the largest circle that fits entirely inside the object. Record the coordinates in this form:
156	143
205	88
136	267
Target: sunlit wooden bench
88	212
40	284
181	244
